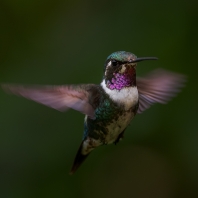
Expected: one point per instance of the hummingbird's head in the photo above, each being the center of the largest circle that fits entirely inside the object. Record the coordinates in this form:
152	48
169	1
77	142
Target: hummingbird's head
120	69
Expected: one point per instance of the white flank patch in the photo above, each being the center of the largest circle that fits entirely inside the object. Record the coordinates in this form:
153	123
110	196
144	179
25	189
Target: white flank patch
127	96
90	144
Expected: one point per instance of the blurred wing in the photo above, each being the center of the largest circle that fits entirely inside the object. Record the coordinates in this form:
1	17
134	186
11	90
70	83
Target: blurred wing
58	97
158	87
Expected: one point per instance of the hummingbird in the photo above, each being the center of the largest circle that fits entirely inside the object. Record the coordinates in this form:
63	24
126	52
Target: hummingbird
110	106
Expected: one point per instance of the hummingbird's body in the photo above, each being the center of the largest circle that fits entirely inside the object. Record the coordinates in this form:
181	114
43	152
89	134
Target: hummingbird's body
110	106
114	111
112	117
113	114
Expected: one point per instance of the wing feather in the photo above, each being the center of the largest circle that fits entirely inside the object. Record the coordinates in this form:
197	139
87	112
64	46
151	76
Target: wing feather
158	87
58	97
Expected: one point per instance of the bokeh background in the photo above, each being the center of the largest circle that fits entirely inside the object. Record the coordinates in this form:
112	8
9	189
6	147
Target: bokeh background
67	42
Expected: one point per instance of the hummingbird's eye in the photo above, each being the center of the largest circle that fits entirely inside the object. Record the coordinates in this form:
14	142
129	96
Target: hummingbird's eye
114	62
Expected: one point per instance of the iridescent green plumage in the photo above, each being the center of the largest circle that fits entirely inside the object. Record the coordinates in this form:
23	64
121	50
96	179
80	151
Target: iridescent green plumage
121	56
106	113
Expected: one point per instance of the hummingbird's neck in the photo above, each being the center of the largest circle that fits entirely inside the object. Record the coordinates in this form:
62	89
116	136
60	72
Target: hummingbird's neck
121	80
127	97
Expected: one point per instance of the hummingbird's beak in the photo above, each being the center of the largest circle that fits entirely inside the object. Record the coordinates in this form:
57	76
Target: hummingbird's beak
142	59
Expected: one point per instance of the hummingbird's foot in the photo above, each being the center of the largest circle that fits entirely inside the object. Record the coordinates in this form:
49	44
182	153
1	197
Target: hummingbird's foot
120	137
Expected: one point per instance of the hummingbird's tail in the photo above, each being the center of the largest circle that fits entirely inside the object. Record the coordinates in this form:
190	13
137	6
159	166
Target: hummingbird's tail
79	159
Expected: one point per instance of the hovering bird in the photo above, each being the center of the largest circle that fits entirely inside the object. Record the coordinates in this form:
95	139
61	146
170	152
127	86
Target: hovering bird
110	106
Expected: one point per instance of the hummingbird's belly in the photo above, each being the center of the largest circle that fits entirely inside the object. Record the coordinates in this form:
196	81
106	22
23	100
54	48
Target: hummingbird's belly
117	127
100	131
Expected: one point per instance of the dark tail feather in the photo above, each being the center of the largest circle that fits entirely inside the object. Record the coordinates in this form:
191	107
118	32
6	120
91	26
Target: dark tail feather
79	159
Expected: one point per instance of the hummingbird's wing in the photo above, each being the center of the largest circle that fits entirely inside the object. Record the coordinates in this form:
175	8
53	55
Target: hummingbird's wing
58	97
158	87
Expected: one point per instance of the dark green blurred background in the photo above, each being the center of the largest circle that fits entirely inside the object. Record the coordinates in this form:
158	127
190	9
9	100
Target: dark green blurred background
67	42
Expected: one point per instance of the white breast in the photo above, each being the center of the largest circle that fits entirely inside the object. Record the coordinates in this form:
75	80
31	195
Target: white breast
127	96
